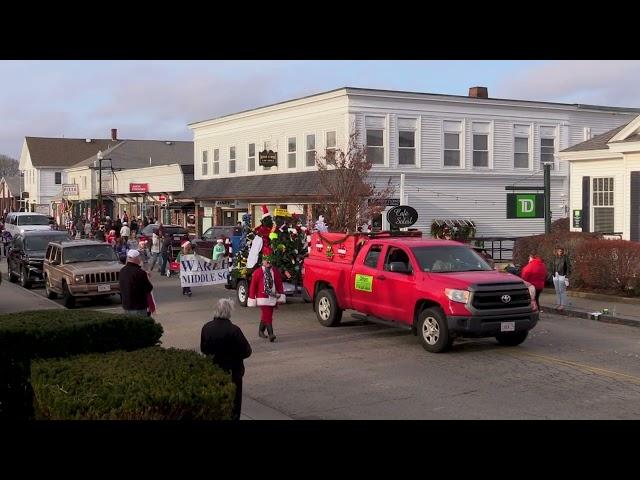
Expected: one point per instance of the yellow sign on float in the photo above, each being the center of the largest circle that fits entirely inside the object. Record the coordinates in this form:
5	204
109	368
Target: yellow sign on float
364	283
282	212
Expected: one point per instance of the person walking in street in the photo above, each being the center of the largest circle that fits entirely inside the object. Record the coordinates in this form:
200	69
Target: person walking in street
121	249
125	232
186	250
265	291
535	272
228	347
135	286
155	249
166	251
561	269
87	230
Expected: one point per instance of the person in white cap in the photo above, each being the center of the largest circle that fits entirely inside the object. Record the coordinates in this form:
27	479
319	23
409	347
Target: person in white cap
186	250
125	232
135	286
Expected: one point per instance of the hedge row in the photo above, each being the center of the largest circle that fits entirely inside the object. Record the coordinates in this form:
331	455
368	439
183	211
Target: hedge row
60	333
148	384
545	245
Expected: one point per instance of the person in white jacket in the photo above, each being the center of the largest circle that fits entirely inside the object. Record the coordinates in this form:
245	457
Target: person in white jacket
125	232
155	249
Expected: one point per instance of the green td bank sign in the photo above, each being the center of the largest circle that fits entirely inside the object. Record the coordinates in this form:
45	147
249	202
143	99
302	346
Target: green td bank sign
525	205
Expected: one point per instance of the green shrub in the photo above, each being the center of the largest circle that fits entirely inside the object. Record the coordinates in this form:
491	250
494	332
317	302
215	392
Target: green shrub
60	333
148	384
545	245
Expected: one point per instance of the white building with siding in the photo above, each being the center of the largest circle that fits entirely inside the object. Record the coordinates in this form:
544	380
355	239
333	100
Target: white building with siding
458	153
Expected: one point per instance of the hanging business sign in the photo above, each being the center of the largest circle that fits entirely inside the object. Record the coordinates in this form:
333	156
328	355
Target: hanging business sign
402	216
138	187
268	158
70	189
525	205
577	219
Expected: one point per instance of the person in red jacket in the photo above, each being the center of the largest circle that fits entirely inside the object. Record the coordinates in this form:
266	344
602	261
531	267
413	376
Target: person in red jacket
535	272
266	291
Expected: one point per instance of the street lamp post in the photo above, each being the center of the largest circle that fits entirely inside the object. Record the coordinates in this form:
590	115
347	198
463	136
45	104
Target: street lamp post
100	158
547	196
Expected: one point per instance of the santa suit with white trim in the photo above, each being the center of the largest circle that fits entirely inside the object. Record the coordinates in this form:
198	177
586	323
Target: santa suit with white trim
267	301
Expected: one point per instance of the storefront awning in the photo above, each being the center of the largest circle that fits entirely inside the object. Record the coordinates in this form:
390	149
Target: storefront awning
301	185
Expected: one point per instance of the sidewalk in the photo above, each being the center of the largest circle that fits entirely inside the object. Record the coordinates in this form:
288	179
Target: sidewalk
14	298
584	305
254	410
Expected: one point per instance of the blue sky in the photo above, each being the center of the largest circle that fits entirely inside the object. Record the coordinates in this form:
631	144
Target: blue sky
157	99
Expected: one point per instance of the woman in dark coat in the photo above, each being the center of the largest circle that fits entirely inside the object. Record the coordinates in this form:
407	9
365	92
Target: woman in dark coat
228	347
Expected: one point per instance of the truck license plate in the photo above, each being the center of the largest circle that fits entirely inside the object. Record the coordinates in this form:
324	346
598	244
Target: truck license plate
507	326
104	288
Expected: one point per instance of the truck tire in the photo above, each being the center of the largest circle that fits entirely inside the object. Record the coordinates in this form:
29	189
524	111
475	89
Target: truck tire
24	278
51	295
327	310
69	300
433	330
12	277
512	339
242	292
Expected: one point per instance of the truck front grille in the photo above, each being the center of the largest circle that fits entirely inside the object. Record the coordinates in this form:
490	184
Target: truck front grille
103	277
492	297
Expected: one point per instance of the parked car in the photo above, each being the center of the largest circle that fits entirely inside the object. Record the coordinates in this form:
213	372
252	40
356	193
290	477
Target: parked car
81	268
26	255
179	234
204	245
438	289
20	222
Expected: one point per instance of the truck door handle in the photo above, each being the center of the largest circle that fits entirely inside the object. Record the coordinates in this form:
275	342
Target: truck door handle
381	277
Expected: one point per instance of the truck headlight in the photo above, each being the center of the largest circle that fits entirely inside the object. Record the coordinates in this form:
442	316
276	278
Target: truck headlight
78	278
460	296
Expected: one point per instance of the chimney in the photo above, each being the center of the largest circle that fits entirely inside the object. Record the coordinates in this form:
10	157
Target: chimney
114	134
478	92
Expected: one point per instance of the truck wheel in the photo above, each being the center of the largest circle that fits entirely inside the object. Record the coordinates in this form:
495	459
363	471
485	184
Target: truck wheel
24	278
512	339
433	330
12	277
69	300
242	292
51	295
327	310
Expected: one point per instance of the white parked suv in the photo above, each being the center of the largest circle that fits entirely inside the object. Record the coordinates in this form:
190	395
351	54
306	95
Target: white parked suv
20	222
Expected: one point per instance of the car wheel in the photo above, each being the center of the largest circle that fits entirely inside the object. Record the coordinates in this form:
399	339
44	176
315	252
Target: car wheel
242	292
327	310
51	295
12	276
24	278
512	339
434	331
69	300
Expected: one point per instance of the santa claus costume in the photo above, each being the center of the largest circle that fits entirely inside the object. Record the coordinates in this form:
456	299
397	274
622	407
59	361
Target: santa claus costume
266	291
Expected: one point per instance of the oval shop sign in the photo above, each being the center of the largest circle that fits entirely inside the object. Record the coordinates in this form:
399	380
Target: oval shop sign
402	216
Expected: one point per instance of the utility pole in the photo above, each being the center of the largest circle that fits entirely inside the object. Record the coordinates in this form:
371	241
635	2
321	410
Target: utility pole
547	196
99	185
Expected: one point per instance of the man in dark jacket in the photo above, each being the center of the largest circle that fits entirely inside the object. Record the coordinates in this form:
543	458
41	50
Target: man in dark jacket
228	347
166	250
135	286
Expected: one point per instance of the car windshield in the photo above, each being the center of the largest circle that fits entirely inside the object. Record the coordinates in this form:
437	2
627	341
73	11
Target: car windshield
449	258
33	220
175	231
40	242
89	253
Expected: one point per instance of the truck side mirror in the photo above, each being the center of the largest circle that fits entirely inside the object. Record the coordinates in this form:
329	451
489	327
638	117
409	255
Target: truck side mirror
398	267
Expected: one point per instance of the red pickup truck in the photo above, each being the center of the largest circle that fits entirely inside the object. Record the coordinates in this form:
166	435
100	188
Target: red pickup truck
440	289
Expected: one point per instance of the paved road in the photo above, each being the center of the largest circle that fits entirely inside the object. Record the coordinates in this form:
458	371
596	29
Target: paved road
567	369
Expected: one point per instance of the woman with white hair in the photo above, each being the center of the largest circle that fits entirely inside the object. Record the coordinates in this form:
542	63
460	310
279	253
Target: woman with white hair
228	347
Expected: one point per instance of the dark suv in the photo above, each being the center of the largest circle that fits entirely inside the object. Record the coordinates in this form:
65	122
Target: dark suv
26	255
178	234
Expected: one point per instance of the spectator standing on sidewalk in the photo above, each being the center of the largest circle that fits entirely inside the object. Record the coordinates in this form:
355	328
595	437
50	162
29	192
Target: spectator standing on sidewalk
135	286
228	346
535	272
155	249
561	269
186	250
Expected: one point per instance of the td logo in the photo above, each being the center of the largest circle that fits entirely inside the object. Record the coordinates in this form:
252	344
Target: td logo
525	205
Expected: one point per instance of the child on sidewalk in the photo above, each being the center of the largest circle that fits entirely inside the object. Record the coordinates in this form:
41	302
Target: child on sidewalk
186	250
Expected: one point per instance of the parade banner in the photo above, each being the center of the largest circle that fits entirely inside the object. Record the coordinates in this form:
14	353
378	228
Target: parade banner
197	271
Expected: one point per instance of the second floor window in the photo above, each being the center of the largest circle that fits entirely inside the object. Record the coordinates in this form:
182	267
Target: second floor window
452	134
331	146
406	141
251	158
547	145
58	178
232	159
216	161
291	152
311	150
205	163
521	146
481	144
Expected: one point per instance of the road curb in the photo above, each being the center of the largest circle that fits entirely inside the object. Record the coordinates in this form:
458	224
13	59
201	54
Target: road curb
31	292
605	298
569	312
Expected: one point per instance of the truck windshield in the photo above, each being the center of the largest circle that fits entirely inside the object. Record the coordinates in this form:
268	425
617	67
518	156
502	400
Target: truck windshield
89	253
38	243
445	258
33	220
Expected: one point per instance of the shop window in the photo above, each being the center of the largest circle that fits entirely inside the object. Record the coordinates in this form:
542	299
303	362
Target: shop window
232	159
291	152
251	158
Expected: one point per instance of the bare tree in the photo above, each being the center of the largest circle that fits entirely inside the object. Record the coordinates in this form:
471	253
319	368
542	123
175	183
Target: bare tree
354	198
8	166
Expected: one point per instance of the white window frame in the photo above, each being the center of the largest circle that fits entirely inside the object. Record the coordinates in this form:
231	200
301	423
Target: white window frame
215	161
327	148
232	148
306	149
416	140
529	146
249	157
293	152
385	137
489	150
204	163
461	143
607	204
555	144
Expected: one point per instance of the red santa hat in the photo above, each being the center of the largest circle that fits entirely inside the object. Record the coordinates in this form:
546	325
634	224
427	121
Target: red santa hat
267	251
265	212
186	243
